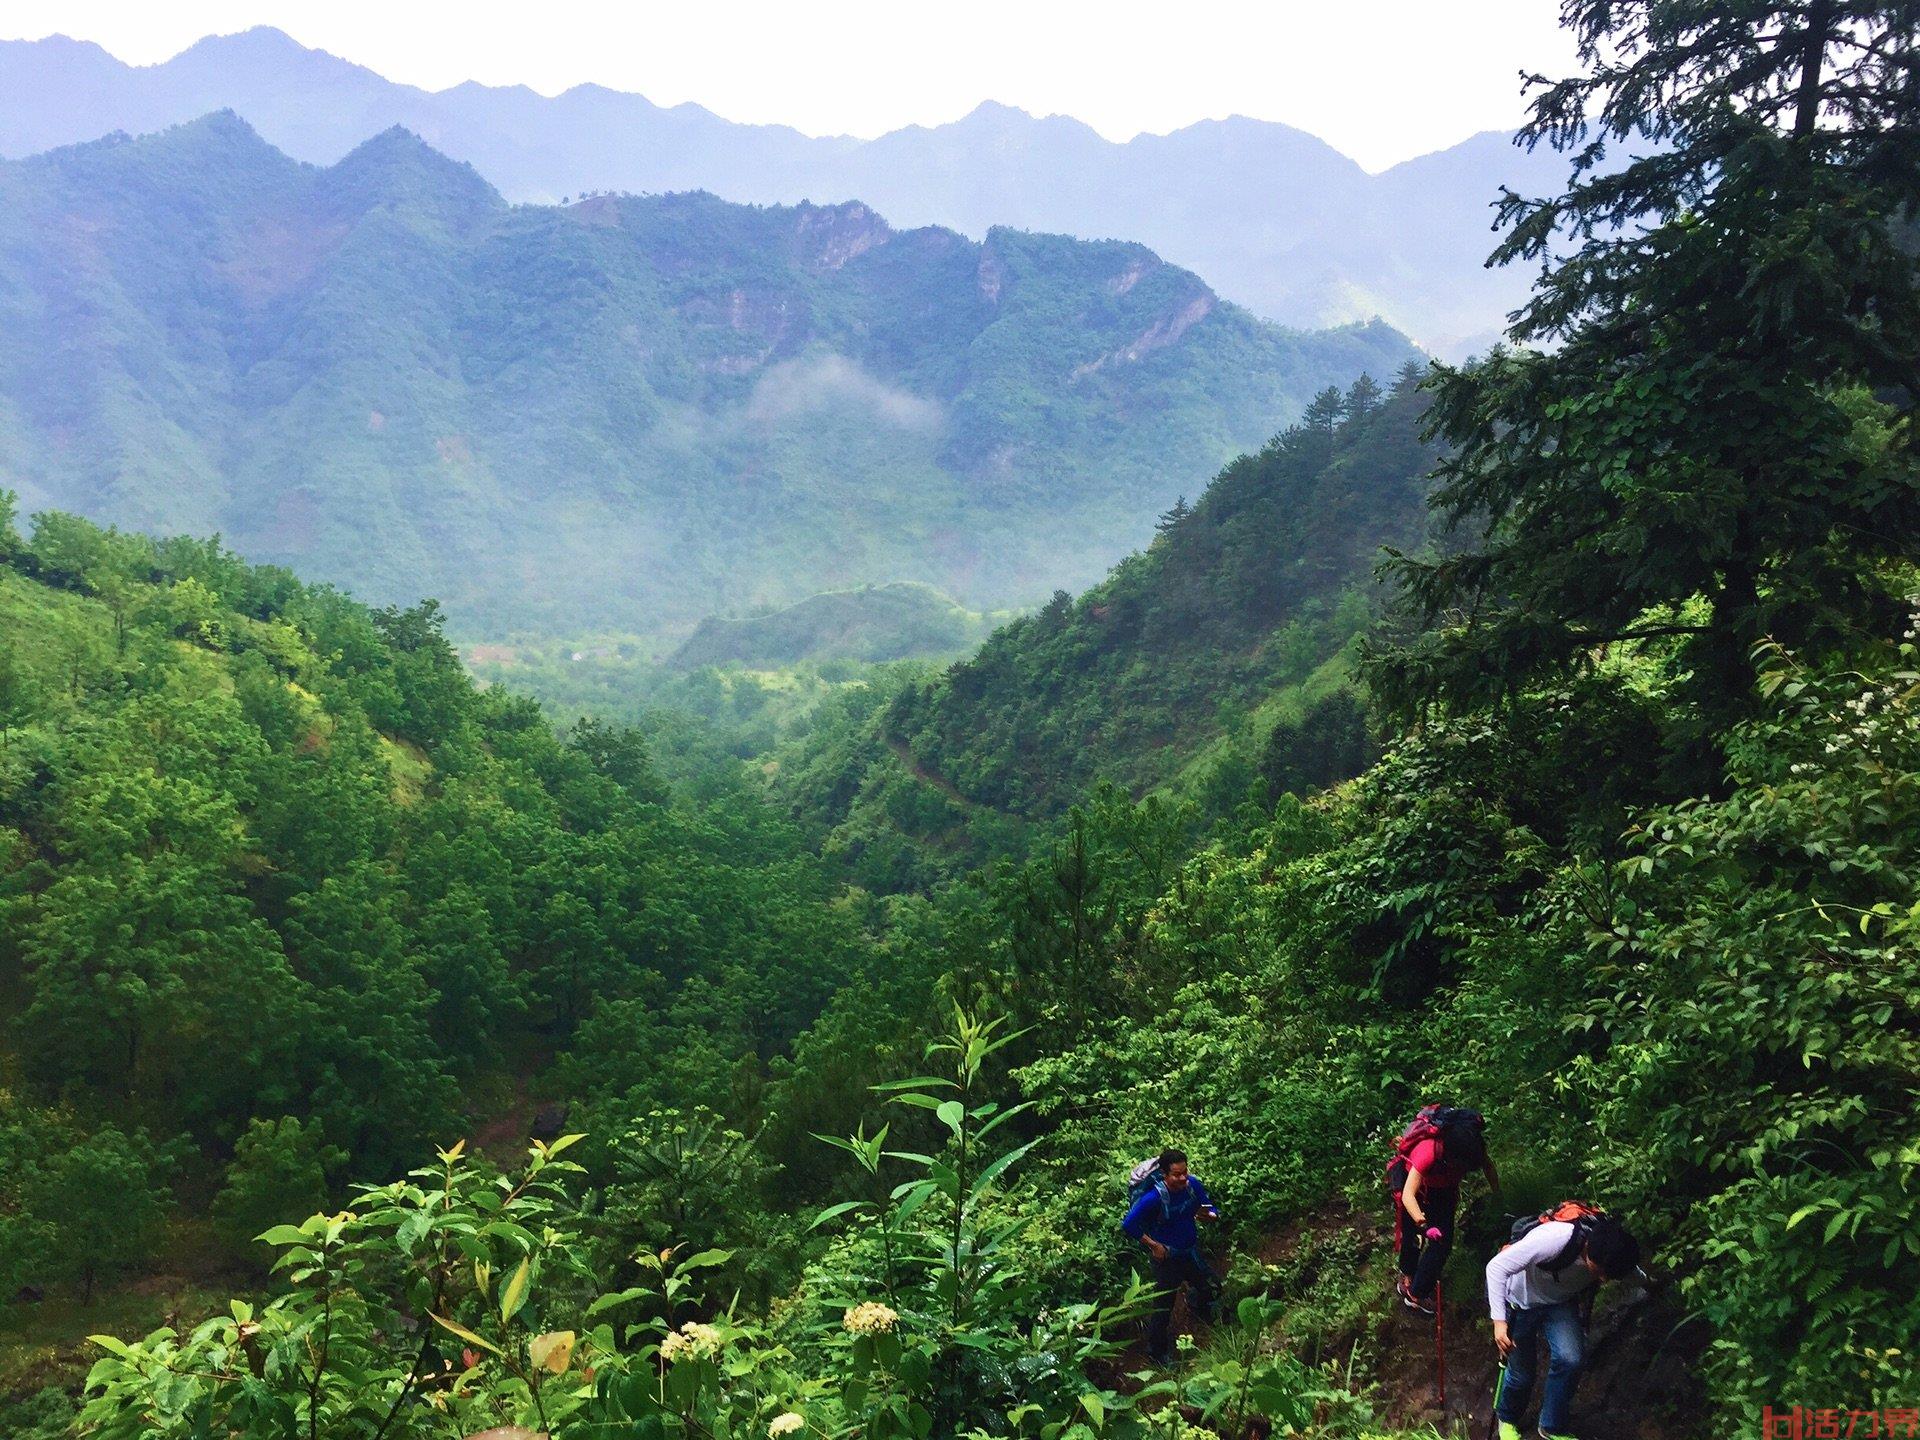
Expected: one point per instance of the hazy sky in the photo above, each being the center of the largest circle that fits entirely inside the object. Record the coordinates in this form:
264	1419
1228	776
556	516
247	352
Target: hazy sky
1380	79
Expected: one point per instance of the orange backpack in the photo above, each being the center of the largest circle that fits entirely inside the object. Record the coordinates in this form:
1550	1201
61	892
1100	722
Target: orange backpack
1579	1213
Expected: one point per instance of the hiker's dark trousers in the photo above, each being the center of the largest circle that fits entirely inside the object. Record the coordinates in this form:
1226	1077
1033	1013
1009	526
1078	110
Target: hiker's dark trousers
1181	1267
1566	1353
1424	1265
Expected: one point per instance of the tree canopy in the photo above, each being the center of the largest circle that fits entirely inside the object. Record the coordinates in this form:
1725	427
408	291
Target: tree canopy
1715	443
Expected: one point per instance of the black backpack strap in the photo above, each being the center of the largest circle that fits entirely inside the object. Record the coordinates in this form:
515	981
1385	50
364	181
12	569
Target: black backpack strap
1572	1250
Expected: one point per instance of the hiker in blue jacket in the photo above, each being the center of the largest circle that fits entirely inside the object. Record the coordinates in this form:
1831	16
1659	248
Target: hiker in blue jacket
1165	1219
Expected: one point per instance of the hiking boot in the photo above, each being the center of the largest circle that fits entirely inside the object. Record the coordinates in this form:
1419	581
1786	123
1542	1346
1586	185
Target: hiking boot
1509	1431
1412	1301
1546	1434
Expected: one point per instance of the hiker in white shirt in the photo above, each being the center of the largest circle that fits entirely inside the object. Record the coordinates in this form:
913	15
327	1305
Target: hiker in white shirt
1535	1287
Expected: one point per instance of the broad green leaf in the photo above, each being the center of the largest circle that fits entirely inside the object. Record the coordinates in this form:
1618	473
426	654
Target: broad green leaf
916	1099
922	1191
617	1297
464	1333
997	1168
1005	1115
516	1291
833	1212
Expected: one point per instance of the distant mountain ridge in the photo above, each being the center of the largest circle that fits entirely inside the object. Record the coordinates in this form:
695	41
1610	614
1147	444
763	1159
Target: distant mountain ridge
1274	218
626	414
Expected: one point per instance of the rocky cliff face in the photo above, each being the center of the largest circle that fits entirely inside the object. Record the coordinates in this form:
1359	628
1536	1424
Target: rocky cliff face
832	235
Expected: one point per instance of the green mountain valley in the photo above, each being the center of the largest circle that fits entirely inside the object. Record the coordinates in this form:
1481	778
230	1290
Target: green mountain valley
1239	624
1466	845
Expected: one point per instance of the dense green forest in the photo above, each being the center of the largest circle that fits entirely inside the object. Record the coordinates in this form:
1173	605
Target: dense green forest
628	412
286	897
1598	817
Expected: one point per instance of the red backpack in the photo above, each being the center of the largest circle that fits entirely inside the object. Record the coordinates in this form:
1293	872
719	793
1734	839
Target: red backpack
1427	1125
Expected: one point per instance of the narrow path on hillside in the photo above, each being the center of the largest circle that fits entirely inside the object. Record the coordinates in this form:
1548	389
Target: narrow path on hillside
925	776
1641	1383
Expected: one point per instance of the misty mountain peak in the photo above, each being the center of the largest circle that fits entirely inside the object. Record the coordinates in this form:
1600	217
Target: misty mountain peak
221	133
994	112
262	48
998	119
256	40
58	48
398	167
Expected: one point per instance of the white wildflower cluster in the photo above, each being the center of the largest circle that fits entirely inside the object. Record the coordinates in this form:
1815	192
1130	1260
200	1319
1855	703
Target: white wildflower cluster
1877	716
689	1341
789	1423
870	1317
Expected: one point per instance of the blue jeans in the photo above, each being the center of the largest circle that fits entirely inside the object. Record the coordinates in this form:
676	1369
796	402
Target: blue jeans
1566	1353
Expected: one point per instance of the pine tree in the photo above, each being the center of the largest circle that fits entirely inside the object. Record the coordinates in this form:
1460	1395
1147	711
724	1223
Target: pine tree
1718	410
1363	398
1323	412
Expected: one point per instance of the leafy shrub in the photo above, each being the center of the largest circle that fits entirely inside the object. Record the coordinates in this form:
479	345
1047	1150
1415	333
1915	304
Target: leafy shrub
279	1168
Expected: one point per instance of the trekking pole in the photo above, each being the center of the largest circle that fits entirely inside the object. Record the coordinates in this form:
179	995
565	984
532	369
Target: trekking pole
1499	1389
1439	1317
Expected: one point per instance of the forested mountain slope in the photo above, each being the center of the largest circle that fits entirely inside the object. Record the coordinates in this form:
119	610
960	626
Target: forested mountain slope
1225	634
627	413
1276	219
268	857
